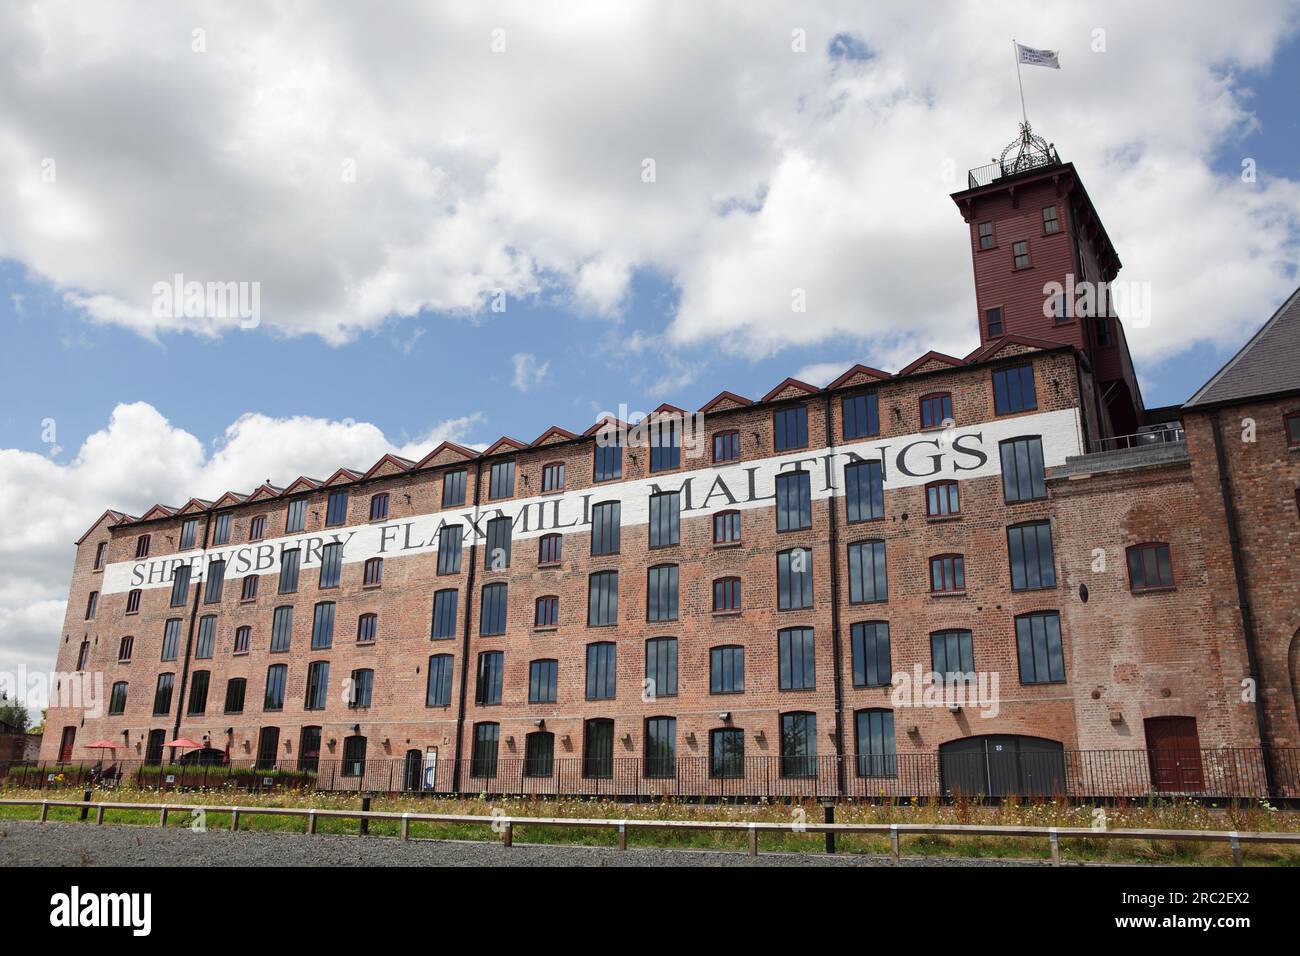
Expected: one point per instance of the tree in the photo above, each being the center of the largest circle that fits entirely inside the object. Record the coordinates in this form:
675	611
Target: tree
13	713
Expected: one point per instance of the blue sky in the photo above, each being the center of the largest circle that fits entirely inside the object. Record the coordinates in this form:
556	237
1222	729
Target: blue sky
646	183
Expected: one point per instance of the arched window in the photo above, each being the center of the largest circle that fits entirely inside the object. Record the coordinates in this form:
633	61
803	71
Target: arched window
354	756
947	573
539	754
367	628
374	572
548	611
799	744
726	594
726	527
936	408
549	548
117	700
125	647
1149	566
379	506
598	748
483	757
133	601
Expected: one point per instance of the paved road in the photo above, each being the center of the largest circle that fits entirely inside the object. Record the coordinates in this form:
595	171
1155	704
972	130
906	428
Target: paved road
25	843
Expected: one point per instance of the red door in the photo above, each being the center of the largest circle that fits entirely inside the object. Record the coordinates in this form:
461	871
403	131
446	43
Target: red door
1174	749
65	744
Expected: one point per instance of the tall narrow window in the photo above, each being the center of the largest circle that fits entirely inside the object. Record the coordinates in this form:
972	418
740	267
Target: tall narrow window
453	488
289	559
281	628
492	615
539	754
331	565
117	700
727	753
868	580
207	642
367	628
133	601
243	639
550	548
607	462
336	509
861	416
598	748
797	658
142	546
372	575
947	573
487	688
986	235
257	528
180	586
798	745
941	499
1149	566
1292	425
602	599
322	626
727	670
296	516
875	743
444	614
189	533
605	528
871	654
162	695
235	688
602	678
92	604
793	501
547	613
221	529
661	667
665	444
354	756
496	552
1023	475
794	582
449	545
661	593
726	446
1038	645
1013	390
171	639
318	685
248	587
665	518
790	428
542	680
864	491
936	409
553	477
83	655
125	647
100	550
1029	547
726	527
660	748
501	483
379	506
216	582
438	692
952	656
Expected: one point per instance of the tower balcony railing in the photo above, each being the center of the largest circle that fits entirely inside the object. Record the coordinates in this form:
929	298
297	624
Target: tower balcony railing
986	175
1156	436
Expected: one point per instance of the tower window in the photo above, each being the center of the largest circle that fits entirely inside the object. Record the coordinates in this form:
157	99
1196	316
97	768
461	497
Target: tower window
986	235
1020	251
993	322
1293	429
1051	223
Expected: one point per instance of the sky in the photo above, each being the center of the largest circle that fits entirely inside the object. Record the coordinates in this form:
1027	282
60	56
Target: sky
465	221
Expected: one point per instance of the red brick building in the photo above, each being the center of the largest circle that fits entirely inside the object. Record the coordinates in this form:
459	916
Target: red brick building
755	598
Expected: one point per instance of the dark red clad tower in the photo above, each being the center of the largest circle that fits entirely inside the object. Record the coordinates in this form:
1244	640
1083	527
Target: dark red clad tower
1033	232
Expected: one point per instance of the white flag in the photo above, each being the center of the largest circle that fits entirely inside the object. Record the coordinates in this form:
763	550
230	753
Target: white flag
1027	54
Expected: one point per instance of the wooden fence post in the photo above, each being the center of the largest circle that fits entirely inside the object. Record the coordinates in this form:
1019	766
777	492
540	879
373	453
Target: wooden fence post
1235	842
508	834
753	840
1056	846
622	834
893	842
406	827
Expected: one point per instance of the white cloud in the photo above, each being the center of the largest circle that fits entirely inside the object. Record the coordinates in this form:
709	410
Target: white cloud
138	460
528	371
822	374
521	171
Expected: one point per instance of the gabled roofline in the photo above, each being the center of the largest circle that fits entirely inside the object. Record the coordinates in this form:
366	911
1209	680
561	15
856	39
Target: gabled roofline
859	369
1196	401
554	430
931	356
292	489
467	453
403	463
117	518
790	383
725	396
513	443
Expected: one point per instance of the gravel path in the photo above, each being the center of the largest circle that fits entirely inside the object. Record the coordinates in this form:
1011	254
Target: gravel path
26	843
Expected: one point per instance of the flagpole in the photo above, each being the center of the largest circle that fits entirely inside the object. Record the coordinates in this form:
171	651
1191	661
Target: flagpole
1021	83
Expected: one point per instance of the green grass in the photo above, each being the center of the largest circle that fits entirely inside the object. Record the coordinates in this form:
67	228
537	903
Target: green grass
1244	816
